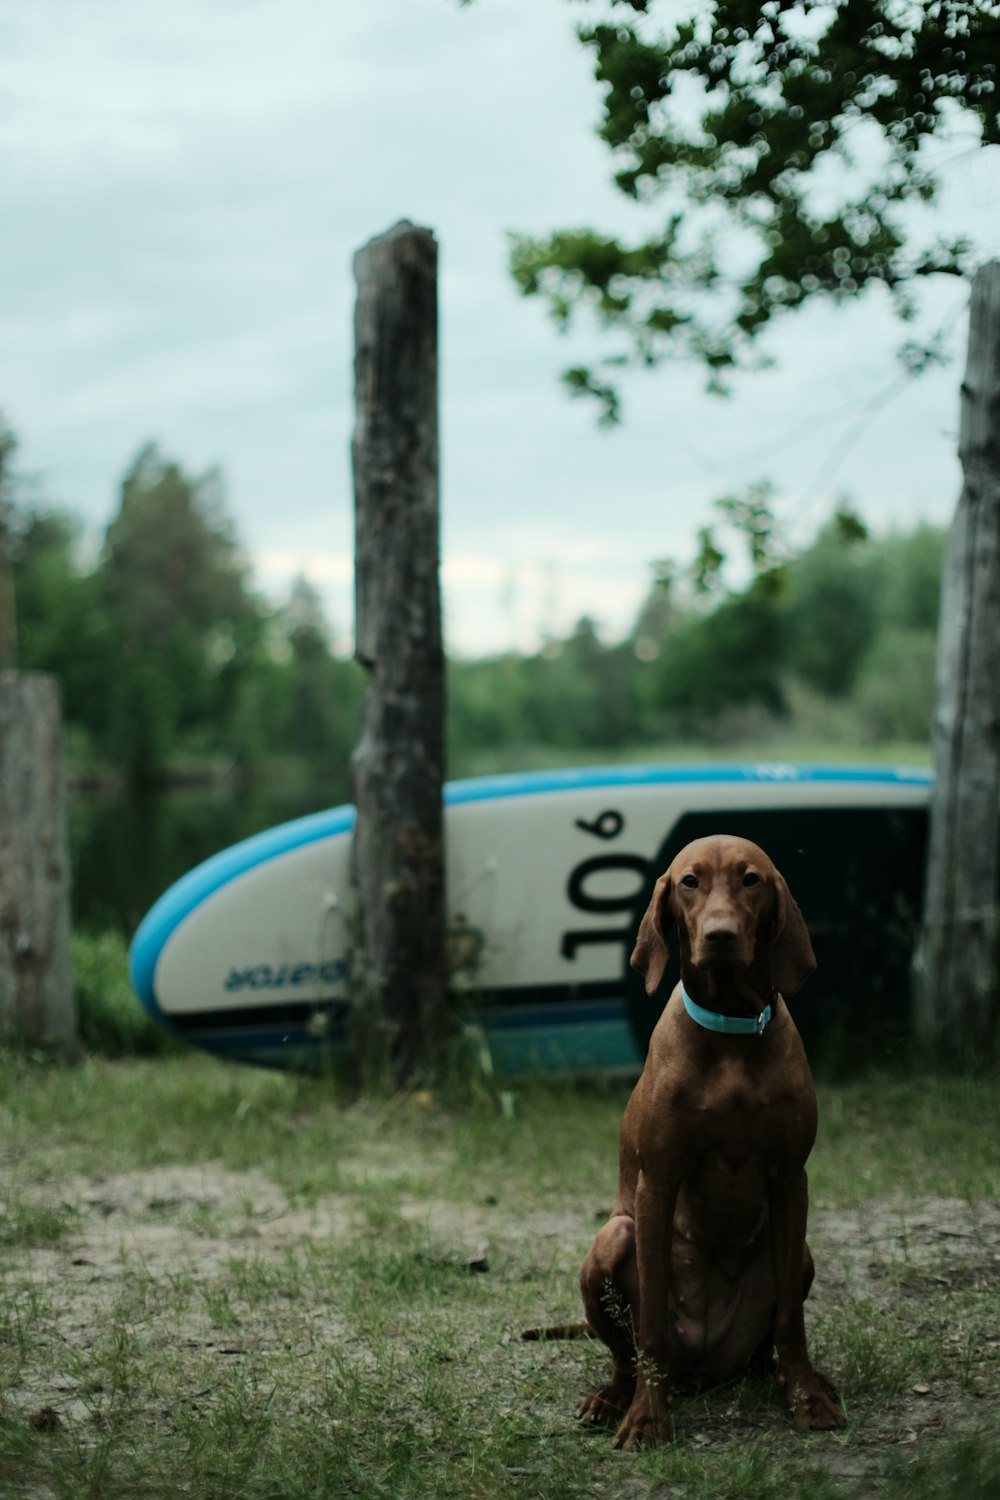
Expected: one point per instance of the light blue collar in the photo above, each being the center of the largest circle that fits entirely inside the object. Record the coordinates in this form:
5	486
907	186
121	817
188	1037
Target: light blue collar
730	1025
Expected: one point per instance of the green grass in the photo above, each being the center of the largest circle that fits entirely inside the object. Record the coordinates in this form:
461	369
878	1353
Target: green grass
110	1022
898	1135
221	1282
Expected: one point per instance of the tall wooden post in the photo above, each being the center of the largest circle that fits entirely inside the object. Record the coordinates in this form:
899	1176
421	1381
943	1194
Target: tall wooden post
957	966
36	993
400	981
8	617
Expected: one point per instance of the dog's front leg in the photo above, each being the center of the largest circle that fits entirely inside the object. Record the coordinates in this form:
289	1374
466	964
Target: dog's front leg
812	1399
647	1420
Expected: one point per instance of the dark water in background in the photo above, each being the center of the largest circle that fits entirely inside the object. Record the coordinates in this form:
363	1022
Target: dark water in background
125	850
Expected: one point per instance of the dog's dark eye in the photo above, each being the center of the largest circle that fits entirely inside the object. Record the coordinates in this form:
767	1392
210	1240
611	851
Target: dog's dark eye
751	879
691	881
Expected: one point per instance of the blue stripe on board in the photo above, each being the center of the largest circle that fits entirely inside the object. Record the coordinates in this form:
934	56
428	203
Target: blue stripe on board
606	1047
562	1013
594	1045
250	1025
192	889
530	783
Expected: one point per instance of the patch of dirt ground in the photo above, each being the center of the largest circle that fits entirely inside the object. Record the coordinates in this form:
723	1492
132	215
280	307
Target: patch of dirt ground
927	1271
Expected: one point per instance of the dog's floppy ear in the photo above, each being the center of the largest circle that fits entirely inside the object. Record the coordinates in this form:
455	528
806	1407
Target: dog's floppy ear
792	956
649	956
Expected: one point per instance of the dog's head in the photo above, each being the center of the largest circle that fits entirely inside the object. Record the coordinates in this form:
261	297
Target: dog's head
732	908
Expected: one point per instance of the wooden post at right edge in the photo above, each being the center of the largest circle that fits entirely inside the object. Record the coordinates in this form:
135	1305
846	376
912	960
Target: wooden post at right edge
956	992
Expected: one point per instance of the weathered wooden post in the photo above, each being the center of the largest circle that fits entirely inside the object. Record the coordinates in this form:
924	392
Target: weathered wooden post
8	618
400	980
957	965
36	993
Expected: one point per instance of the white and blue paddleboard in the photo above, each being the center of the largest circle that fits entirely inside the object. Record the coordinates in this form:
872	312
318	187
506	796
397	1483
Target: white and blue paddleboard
548	875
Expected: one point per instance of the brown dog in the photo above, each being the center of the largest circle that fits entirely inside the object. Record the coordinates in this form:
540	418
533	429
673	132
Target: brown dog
702	1268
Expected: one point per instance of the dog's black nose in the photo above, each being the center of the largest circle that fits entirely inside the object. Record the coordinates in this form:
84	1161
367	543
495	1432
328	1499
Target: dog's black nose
719	934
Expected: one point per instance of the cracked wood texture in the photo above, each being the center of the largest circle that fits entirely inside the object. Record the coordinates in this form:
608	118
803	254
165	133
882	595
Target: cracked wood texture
399	982
956	980
36	992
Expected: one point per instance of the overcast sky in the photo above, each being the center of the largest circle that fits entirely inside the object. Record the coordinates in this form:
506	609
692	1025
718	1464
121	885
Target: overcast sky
183	188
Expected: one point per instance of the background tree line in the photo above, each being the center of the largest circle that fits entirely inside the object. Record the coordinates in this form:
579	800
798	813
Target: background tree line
170	662
836	648
173	665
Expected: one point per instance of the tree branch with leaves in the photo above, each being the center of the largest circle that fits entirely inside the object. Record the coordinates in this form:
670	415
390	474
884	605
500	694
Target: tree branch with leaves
774	148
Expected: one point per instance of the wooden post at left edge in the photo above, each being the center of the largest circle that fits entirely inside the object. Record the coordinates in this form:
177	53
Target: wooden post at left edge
36	989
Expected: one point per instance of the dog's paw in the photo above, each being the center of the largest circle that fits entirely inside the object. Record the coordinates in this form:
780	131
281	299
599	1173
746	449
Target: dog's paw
643	1426
606	1407
814	1403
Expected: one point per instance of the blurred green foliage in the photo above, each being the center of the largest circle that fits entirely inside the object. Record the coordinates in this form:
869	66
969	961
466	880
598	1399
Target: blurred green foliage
173	666
834	642
169	661
110	1021
775	153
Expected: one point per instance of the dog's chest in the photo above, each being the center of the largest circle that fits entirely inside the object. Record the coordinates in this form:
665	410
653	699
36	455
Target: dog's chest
740	1125
736	1095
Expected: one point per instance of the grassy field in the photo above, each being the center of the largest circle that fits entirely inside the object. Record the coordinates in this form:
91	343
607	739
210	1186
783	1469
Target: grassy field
221	1282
